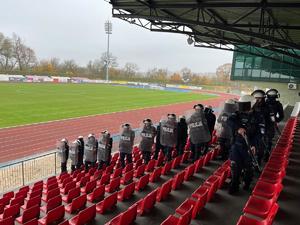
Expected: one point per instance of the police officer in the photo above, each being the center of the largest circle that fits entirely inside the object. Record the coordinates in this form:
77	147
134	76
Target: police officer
224	132
74	154
182	135
104	149
168	135
147	139
211	121
276	115
63	152
90	151
80	152
158	146
126	144
260	114
198	131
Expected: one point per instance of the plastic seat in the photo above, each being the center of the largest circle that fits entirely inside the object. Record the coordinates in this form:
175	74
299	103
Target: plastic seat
76	204
24	189
213	183
176	162
125	218
84	216
52	204
222	173
201	194
79	177
166	168
29	214
2	207
107	204
109	169
97	175
185	157
126	192
127	178
128	168
36	187
8	221
178	180
150	166
185	219
142	182
104	179
83	181
196	205
189	172
267	190
11	211
207	158
146	204
73	193
244	220
117	173
258	207
32	202
16	201
164	190
155	175
89	187
53	193
114	185
9	195
68	187
270	177
97	194
159	160
139	171
138	163
5	200
65	222
65	182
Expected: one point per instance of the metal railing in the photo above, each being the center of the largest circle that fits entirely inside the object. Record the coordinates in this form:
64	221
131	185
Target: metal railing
25	171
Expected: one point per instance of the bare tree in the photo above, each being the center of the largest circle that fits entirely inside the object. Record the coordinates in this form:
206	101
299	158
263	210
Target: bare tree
7	59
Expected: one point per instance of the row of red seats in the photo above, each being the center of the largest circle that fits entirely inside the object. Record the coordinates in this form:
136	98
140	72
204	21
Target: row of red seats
262	207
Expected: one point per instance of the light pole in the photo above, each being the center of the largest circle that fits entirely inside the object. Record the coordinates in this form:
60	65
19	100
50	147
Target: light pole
108	31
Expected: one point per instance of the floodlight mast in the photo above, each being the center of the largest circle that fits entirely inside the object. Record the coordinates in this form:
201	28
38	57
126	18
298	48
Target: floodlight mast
108	31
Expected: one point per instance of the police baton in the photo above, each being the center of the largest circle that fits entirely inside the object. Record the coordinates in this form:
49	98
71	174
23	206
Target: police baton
254	160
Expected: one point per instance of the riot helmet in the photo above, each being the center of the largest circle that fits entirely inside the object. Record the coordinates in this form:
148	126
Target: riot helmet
259	95
272	94
244	103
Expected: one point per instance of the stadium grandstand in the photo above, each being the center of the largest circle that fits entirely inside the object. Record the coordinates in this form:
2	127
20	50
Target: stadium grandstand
265	38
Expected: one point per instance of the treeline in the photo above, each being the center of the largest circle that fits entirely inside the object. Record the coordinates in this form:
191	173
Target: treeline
17	58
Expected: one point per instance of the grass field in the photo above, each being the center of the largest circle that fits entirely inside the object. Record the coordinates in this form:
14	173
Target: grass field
26	103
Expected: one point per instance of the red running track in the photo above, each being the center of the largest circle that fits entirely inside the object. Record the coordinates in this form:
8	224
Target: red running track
23	141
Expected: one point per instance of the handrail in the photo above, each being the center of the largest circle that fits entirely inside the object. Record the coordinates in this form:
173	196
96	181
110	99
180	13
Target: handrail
296	110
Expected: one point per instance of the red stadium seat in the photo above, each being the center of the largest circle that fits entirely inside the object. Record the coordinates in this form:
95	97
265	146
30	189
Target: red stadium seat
36	187
29	214
213	183
176	162
128	177
117	173
21	194
76	204
267	190
97	194
139	171
126	192
84	216
126	218
155	175
189	172
150	166
128	168
8	221
5	200
159	161
24	189
166	168
65	182
79	177
113	186
185	219
9	195
97	175
104	179
32	202
83	181
50	188
196	205
2	207
259	207
11	211
51	194
73	193
142	182
178	180
244	220
270	177
146	204
185	156
109	169
90	186
164	190
68	187
65	222
16	201
52	204
201	194
107	204
138	163
222	173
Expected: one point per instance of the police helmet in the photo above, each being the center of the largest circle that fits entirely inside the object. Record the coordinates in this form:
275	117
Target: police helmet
198	106
230	101
273	93
245	102
80	137
91	135
126	125
147	121
171	116
258	94
64	140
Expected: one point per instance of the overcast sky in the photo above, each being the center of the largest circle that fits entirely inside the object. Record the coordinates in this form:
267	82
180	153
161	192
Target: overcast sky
74	29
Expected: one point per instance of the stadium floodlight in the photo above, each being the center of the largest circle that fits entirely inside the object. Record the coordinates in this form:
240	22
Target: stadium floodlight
108	31
190	40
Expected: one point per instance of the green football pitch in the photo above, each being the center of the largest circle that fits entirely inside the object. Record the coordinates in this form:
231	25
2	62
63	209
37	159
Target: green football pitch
26	103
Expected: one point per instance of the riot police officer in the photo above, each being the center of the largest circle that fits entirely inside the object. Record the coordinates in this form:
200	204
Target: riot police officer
63	152
126	143
198	131
168	135
211	121
90	151
74	154
104	149
182	135
225	137
147	139
80	152
276	115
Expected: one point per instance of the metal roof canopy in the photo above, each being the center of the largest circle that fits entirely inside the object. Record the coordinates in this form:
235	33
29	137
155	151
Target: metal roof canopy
223	24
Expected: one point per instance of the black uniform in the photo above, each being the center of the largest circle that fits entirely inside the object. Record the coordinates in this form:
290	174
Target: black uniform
211	121
80	153
182	136
158	146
